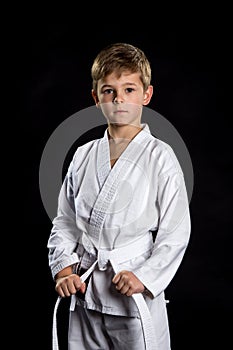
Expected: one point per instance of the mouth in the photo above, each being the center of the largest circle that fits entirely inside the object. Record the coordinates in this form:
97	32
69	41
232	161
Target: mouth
119	111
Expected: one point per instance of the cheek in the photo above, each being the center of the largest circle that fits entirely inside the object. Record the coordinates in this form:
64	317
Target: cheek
105	98
134	110
137	100
106	108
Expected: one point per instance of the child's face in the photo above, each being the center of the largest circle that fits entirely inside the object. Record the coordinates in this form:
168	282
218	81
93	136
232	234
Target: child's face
121	98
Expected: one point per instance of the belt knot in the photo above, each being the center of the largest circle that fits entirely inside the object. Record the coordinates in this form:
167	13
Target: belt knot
103	258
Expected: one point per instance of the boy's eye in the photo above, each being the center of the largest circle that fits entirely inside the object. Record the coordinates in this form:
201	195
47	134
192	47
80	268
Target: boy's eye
129	89
108	91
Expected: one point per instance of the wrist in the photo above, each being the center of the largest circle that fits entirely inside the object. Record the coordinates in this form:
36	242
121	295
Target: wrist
64	273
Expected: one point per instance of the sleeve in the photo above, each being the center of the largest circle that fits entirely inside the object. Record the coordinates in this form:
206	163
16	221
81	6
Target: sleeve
172	237
64	236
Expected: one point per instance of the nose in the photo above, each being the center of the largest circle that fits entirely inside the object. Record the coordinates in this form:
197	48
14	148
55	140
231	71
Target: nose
117	99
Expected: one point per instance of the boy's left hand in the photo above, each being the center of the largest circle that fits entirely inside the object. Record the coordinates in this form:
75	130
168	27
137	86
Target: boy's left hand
127	283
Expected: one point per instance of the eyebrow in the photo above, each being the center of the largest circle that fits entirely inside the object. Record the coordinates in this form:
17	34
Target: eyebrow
107	85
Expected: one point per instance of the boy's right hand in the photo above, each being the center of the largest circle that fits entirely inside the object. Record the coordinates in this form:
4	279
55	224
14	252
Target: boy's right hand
68	285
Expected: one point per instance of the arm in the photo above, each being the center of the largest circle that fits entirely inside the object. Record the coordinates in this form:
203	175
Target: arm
172	236
64	235
170	244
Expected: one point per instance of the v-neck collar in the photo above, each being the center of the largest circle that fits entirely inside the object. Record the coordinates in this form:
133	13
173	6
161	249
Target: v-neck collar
103	155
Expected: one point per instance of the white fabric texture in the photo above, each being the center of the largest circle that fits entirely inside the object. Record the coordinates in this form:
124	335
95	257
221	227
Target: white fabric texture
102	209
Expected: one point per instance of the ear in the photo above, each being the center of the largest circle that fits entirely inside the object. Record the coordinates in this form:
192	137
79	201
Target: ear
95	97
147	95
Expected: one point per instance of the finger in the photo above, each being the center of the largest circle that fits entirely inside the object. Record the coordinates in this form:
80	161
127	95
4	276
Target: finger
116	278
60	292
121	282
78	283
63	291
129	293
72	289
125	288
70	285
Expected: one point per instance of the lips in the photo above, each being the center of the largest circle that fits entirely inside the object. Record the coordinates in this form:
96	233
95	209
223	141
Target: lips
120	111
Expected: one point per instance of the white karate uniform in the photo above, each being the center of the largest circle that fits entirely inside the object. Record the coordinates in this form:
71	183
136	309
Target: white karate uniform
105	218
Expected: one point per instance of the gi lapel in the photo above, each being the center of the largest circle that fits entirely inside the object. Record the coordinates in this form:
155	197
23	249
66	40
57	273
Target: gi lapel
109	179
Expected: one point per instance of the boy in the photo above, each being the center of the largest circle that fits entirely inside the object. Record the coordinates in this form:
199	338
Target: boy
118	190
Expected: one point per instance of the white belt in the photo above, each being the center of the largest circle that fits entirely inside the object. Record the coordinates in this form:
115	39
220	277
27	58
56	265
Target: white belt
117	256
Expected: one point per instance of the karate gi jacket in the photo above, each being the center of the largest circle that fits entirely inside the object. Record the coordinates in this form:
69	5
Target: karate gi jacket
104	208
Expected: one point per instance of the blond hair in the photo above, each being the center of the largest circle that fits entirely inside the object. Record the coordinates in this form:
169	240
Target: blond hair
120	57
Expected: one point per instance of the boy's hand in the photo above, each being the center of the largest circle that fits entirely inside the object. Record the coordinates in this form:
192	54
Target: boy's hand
67	285
127	283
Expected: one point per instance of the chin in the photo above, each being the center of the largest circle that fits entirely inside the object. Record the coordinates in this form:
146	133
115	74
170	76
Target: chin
119	123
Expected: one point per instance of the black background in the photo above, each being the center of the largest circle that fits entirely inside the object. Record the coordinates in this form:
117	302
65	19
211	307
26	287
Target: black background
190	66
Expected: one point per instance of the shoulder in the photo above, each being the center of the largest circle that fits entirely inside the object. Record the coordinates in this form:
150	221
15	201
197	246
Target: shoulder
82	153
165	156
85	149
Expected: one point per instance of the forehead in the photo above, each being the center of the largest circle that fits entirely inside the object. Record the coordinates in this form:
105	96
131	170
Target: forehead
124	78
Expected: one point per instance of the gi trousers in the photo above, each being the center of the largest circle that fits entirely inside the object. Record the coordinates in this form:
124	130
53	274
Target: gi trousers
92	330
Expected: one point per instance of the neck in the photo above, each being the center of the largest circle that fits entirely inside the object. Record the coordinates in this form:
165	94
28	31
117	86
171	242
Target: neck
123	132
